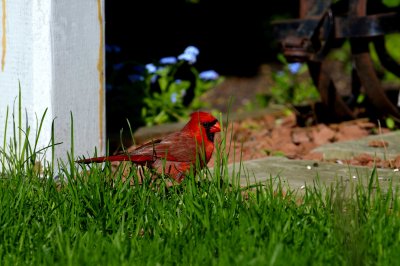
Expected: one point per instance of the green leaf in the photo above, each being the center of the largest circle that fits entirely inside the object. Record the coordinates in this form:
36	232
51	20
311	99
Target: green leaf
163	82
390	123
360	98
282	58
391	3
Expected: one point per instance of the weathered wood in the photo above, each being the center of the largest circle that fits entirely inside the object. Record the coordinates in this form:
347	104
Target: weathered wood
55	49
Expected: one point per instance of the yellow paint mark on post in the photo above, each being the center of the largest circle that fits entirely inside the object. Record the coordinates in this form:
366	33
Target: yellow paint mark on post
100	69
3	38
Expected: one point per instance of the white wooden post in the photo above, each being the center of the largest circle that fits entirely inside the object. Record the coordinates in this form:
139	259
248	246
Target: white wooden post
55	49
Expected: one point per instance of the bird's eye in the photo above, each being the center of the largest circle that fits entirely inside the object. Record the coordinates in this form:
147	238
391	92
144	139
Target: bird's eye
209	124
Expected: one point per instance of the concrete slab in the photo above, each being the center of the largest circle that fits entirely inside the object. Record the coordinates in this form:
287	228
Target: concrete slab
348	149
298	173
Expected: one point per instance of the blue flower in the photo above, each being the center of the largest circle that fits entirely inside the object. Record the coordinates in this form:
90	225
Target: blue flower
135	77
118	66
109	48
139	68
190	58
209	75
294	67
174	97
190	54
154	79
113	48
192	50
151	68
169	60
109	87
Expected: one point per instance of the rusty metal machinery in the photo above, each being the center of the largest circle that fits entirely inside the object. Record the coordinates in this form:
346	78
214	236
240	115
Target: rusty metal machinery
321	28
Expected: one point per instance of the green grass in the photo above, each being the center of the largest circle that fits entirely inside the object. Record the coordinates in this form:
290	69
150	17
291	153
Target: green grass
94	219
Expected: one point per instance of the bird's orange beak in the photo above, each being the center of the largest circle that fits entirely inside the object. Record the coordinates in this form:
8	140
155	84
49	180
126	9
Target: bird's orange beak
215	128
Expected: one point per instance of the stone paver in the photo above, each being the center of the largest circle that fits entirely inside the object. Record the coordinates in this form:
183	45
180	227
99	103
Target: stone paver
298	173
348	149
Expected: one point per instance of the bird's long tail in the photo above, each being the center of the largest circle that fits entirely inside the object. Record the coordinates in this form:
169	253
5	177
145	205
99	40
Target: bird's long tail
139	159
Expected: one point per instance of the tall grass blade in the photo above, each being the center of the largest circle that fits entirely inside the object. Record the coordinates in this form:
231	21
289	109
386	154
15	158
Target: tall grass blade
3	161
72	152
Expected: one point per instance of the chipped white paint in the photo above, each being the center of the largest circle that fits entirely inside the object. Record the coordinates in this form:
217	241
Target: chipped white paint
55	49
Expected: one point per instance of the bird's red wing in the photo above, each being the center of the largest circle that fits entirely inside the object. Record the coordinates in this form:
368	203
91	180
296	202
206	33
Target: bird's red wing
175	154
177	147
145	152
141	155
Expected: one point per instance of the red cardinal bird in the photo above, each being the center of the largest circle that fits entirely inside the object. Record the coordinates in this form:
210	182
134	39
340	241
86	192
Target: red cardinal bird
177	152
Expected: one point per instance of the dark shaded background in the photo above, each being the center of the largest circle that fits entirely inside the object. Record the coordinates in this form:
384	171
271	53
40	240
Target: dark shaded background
234	37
